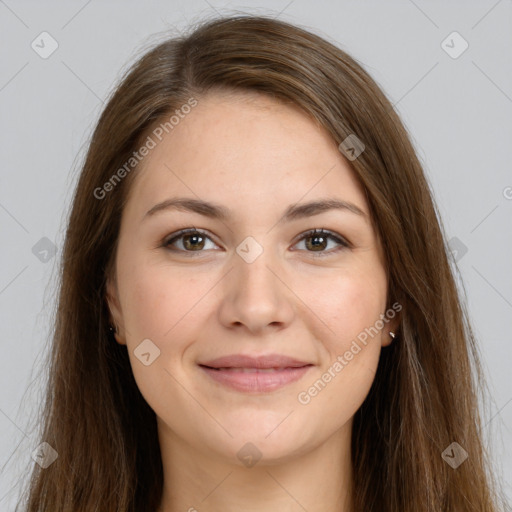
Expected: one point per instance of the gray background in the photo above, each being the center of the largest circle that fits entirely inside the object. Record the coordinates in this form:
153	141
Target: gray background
458	110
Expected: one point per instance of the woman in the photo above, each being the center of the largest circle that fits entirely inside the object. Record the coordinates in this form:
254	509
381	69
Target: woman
257	309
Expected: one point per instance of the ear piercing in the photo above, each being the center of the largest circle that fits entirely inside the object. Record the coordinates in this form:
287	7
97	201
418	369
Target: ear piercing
392	334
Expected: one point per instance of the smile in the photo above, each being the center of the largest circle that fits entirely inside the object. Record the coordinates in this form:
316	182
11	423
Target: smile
255	380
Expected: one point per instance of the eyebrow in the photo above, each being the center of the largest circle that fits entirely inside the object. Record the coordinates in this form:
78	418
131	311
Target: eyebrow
219	212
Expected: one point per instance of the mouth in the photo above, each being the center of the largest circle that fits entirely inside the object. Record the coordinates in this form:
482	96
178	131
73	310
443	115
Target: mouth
255	380
253	370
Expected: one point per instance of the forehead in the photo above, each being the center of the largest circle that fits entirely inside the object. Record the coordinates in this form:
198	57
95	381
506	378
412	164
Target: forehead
245	148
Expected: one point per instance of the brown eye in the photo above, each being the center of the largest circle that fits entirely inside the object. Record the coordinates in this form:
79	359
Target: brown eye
191	240
316	241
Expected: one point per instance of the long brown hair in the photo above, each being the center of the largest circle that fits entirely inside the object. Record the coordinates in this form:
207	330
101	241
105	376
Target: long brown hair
425	393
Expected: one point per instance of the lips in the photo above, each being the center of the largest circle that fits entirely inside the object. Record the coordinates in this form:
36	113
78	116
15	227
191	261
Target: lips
276	361
255	374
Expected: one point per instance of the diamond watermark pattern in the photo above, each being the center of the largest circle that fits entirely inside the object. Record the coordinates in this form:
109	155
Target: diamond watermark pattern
146	352
457	248
44	249
454	45
351	147
44	455
454	455
44	45
249	249
249	455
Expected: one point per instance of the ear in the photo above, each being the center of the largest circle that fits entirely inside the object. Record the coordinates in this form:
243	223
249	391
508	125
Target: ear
392	325
116	315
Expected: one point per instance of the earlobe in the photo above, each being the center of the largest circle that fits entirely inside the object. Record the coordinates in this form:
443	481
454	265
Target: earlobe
390	332
388	336
119	339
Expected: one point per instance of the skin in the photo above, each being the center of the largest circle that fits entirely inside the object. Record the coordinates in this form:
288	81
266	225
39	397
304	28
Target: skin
254	156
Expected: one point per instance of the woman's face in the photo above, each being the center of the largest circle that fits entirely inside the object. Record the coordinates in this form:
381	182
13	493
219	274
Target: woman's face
247	284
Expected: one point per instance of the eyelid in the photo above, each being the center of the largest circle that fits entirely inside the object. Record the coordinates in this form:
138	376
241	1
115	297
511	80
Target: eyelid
178	234
343	243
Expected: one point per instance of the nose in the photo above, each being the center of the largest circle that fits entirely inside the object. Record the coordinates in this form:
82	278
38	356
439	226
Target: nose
255	296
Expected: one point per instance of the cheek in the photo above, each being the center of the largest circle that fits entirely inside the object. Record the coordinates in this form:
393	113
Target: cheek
159	306
157	300
348	305
165	305
147	307
351	348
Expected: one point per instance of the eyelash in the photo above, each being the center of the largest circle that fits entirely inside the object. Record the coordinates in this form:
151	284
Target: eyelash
311	233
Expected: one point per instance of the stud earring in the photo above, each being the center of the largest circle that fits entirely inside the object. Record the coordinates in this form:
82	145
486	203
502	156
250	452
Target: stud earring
392	334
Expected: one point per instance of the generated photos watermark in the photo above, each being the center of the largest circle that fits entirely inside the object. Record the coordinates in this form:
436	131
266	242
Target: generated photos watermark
305	397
